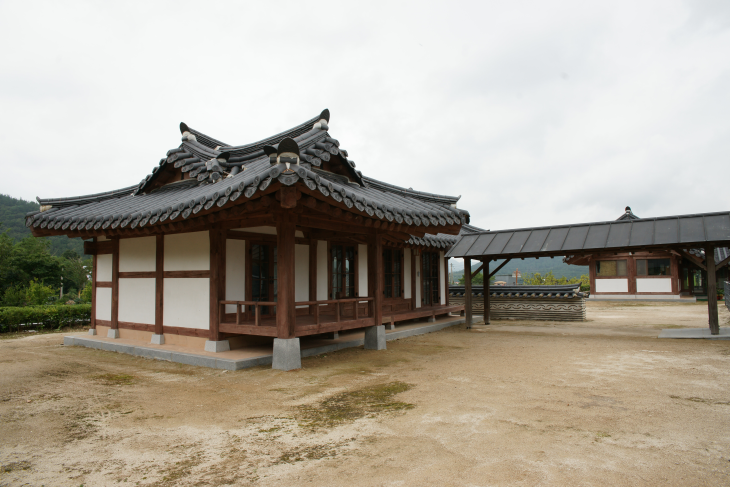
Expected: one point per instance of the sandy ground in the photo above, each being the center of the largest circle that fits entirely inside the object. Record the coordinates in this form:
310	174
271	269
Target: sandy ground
516	403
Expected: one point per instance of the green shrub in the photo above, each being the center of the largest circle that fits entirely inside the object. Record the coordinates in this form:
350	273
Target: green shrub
44	317
38	293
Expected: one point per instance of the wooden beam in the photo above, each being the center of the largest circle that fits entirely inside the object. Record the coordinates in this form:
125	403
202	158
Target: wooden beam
467	292
115	285
498	268
217	240
285	309
479	269
712	290
159	282
694	259
93	290
722	264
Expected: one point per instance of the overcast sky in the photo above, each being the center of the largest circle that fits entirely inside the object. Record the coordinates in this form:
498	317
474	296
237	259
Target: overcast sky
536	113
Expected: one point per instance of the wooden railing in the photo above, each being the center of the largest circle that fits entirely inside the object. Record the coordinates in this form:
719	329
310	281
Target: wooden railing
246	313
337	302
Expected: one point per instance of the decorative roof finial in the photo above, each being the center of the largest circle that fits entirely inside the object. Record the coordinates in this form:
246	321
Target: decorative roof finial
323	122
628	209
185	131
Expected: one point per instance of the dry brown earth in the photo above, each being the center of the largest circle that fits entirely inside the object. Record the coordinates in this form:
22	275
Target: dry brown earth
517	403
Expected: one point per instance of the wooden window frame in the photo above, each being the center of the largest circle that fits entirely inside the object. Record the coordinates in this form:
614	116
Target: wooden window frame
628	267
423	277
647	276
250	242
356	277
402	274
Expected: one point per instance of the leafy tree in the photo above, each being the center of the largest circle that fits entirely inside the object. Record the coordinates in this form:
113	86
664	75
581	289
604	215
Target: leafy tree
38	293
85	294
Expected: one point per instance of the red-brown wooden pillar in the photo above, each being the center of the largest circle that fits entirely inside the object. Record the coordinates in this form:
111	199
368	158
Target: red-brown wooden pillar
93	289
712	290
467	292
285	310
113	332
159	281
487	291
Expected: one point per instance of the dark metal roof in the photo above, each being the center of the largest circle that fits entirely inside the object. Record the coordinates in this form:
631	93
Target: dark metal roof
563	291
140	206
683	231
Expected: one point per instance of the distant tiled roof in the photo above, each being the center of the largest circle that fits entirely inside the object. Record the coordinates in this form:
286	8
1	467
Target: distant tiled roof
693	230
565	291
222	173
442	240
721	253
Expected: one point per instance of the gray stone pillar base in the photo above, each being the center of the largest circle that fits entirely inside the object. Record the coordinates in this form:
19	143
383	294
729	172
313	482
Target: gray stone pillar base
219	346
287	355
158	339
92	331
431	319
390	326
332	335
112	333
375	337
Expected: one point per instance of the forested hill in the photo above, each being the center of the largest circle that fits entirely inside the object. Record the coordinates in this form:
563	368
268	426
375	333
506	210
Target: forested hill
12	217
530	266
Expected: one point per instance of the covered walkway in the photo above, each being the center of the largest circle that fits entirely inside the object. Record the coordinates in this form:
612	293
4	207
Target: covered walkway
678	233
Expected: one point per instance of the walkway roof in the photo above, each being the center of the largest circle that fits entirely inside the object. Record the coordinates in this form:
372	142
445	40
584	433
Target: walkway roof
680	232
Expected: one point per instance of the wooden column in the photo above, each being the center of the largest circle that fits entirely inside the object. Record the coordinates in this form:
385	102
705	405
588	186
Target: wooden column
313	243
467	291
159	282
446	278
487	310
712	290
414	271
376	277
93	289
115	284
285	310
217	271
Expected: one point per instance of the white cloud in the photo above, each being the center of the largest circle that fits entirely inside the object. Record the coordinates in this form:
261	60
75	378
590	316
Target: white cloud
536	113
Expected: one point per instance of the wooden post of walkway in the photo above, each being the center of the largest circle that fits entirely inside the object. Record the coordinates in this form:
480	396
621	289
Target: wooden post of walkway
467	291
712	290
487	291
285	310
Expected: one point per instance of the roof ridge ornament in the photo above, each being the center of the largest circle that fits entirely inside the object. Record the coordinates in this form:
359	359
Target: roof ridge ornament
323	122
186	133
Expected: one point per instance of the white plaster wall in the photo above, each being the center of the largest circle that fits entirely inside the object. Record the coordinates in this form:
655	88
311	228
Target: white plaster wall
418	281
267	231
322	270
187	302
362	269
104	267
442	281
137	300
137	254
658	285
407	273
235	272
104	303
612	285
187	252
301	273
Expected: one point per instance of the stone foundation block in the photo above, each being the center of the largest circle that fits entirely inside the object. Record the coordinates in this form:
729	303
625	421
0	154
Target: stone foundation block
158	339
287	354
92	331
112	333
375	337
219	346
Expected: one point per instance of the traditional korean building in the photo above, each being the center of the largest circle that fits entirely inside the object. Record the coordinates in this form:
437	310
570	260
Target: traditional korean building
669	274
281	238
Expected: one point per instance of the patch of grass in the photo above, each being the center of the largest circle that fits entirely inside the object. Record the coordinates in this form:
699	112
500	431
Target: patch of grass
602	434
115	379
14	466
352	405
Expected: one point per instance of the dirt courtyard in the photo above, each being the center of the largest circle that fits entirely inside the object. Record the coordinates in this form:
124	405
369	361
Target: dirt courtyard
515	403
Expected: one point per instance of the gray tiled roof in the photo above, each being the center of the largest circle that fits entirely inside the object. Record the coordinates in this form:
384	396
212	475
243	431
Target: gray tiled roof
247	172
443	240
562	291
601	236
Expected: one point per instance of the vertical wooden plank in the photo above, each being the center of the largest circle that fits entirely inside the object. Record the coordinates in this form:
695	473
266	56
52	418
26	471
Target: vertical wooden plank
712	290
592	274
285	311
159	282
487	292
330	291
214	235
115	284
467	291
313	273
446	277
674	262
413	279
379	278
93	289
631	273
